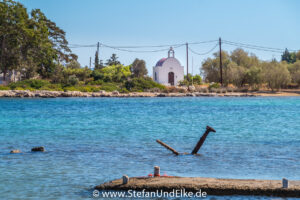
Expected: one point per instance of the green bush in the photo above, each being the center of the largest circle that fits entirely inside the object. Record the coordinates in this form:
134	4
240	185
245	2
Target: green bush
214	85
2	87
82	88
109	87
29	84
19	88
73	80
123	90
52	87
142	84
97	82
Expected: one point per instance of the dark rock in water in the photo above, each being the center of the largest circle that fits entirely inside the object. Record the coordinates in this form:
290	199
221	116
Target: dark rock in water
38	149
15	151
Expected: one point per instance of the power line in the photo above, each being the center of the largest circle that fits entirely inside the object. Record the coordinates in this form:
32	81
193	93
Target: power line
140	51
128	48
201	54
256	47
141	46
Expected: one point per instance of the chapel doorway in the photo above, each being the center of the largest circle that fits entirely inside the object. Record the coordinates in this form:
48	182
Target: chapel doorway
171	78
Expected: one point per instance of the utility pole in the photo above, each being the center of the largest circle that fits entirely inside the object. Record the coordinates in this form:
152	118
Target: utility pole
221	64
192	70
90	62
187	61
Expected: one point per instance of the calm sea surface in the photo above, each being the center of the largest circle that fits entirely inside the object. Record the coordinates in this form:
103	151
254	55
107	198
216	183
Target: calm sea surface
92	140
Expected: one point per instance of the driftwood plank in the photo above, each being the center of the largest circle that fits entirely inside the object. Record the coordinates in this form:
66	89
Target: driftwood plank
167	147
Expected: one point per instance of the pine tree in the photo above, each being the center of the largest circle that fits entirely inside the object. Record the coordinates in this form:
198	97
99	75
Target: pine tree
113	60
288	57
97	65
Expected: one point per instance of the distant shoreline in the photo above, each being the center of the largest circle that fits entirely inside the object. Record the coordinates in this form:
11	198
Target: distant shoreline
54	94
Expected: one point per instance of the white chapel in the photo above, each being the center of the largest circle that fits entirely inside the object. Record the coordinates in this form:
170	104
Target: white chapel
168	71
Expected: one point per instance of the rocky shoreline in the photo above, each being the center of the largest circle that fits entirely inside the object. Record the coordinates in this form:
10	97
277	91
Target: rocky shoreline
54	94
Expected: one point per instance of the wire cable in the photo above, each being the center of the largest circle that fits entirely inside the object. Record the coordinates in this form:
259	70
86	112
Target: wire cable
140	51
254	48
201	54
141	46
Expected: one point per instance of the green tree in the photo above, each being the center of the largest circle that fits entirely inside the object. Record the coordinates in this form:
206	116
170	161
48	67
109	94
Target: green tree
13	21
113	73
138	68
73	65
113	60
288	57
235	74
96	62
211	67
298	55
276	75
30	44
294	70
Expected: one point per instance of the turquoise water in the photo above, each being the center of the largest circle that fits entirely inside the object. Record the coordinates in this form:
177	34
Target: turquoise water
92	140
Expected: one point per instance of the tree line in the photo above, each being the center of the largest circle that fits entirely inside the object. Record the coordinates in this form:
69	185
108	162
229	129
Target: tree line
37	48
243	69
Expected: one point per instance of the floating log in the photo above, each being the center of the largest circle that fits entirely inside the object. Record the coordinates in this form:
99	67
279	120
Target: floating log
202	139
167	147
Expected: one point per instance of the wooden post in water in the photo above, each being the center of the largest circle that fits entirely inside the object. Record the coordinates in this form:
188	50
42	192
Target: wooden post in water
285	183
167	147
125	179
202	139
156	171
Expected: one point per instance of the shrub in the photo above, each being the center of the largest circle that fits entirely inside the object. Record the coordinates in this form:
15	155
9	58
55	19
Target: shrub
97	82
214	85
173	89
73	80
19	88
29	84
123	90
203	90
2	87
52	87
142	84
87	88
109	87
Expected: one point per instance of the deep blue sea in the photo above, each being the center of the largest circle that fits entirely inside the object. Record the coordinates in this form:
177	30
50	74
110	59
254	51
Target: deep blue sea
92	140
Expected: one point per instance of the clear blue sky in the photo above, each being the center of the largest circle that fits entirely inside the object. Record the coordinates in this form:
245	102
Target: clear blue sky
271	23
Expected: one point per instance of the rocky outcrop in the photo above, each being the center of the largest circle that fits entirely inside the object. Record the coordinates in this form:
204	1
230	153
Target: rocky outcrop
54	94
15	151
34	149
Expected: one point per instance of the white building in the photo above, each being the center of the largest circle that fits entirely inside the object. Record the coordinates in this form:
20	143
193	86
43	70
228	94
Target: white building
11	76
168	71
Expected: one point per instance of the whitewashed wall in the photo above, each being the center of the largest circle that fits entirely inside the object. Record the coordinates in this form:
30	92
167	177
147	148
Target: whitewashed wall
169	65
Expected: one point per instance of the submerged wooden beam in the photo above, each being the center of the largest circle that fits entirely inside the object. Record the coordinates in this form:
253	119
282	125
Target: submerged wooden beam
202	139
167	147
